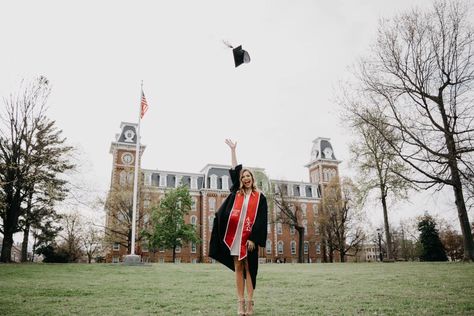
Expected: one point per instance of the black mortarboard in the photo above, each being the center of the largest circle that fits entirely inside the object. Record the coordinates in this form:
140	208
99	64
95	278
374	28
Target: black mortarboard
240	56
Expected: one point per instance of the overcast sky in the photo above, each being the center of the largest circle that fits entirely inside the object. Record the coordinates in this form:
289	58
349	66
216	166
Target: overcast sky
95	53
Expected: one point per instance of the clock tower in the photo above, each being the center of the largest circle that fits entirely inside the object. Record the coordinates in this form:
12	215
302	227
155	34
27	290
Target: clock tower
123	150
323	165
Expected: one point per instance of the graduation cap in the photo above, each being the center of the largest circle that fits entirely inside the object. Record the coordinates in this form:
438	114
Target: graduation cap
240	56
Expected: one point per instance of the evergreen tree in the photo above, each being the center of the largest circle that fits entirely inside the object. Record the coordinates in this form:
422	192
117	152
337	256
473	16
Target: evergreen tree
432	248
168	227
33	160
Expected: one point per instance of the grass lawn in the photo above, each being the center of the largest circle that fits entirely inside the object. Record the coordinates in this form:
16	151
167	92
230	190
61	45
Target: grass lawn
208	289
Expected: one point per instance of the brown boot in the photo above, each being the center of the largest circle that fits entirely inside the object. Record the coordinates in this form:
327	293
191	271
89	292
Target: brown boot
249	310
241	307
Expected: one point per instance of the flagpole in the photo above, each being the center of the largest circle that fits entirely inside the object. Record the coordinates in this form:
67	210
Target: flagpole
135	178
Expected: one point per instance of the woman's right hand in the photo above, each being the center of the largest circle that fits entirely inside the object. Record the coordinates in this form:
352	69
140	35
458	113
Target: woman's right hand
231	144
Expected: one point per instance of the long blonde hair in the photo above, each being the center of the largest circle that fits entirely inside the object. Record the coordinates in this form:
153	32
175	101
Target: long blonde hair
241	188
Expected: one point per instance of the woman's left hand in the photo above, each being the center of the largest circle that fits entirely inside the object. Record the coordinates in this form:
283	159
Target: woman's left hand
250	245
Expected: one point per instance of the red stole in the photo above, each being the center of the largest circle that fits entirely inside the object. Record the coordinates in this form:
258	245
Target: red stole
233	222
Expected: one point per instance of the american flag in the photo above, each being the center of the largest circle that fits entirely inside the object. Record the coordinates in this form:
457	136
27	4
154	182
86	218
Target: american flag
144	105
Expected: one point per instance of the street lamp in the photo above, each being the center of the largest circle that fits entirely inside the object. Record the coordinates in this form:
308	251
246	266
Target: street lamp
379	234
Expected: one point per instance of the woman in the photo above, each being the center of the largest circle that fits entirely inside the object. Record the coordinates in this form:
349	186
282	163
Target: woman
240	226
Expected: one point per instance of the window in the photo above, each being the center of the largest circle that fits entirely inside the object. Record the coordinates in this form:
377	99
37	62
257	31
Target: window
292	230
194	260
145	246
193	247
161	260
306	247
268	247
293	247
305	225
211	222
116	246
123	177
269	228
162	249
279	229
193	203
193	220
146	218
318	249
303	209
177	260
212	203
130	178
178	249
315	210
115	259
280	247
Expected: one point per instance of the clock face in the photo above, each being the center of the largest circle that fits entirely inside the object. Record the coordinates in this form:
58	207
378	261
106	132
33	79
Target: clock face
127	158
328	153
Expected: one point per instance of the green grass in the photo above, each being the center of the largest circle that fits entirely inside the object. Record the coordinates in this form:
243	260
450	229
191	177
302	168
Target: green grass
208	289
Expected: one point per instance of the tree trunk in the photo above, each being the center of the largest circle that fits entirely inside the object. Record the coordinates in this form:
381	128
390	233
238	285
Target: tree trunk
24	244
459	199
300	243
468	242
331	254
342	255
8	231
7	246
174	254
26	230
385	223
324	249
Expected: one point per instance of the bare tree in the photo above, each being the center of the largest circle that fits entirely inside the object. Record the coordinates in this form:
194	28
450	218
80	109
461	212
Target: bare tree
71	235
420	75
291	215
92	241
377	163
340	217
119	209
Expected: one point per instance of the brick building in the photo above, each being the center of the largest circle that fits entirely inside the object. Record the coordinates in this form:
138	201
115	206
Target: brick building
208	189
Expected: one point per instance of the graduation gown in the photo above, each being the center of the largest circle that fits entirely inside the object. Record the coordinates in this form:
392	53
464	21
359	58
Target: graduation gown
218	250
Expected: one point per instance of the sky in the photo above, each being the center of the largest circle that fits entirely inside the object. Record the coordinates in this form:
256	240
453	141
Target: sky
97	53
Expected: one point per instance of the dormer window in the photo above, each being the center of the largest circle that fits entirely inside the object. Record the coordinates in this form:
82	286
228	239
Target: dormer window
297	191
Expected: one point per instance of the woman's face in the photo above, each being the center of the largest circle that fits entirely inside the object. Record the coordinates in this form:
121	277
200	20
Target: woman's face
246	180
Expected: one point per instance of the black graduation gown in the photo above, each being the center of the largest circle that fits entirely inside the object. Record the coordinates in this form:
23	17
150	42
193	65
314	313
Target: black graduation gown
218	250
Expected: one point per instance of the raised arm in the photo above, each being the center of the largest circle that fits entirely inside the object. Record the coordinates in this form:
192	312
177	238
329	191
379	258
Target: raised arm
232	146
